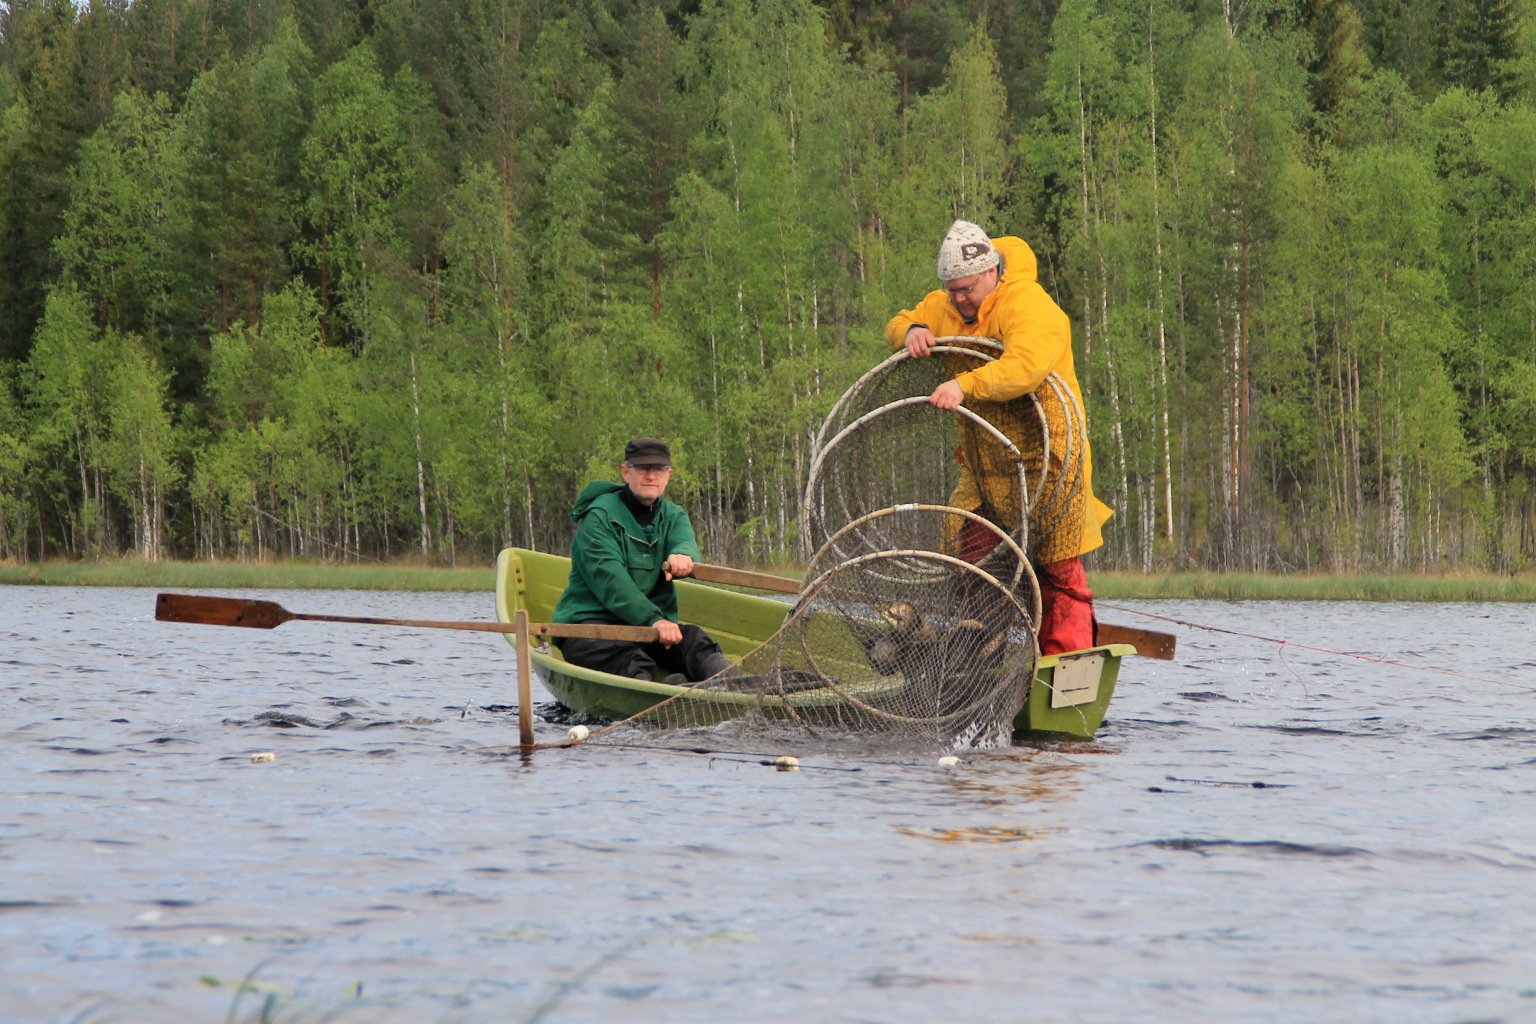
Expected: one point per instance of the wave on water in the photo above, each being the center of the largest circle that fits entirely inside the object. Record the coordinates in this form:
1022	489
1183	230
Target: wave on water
1498	732
1303	730
292	720
1277	846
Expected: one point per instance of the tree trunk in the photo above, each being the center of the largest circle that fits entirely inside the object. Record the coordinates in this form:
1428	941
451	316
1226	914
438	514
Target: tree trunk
1162	399
421	466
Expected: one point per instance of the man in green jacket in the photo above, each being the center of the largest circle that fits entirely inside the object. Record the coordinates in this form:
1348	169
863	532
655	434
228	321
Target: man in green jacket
629	545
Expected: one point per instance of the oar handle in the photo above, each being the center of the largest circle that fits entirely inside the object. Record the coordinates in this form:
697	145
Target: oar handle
745	578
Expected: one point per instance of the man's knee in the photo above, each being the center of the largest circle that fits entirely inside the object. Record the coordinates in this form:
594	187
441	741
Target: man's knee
619	659
701	655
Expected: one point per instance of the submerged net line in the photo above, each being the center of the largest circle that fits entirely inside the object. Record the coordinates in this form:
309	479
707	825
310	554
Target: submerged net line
916	625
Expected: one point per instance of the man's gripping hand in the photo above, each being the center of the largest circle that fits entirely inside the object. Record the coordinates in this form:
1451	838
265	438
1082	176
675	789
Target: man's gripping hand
678	566
668	632
947	396
919	341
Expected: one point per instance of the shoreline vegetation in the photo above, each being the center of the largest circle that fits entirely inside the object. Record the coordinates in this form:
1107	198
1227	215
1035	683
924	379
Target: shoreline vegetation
1107	585
296	286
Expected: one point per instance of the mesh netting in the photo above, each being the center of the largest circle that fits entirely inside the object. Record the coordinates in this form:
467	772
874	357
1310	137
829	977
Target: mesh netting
924	527
916	626
1048	431
902	650
901	376
905	451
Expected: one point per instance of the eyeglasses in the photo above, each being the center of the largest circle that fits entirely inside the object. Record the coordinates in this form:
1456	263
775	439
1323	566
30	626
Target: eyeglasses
648	469
960	293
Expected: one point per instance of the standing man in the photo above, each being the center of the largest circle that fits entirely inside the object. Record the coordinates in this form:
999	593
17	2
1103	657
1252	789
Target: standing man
629	545
989	290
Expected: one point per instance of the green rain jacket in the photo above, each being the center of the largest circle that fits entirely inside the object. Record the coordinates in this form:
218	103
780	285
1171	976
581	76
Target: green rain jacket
616	564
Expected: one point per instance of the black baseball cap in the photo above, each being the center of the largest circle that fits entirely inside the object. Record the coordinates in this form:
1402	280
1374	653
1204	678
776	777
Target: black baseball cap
647	451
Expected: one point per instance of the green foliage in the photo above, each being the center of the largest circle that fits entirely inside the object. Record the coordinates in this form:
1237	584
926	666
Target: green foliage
1338	59
68	383
61	97
244	121
15	470
119	240
956	158
1405	35
354	170
1479	41
348	281
140	448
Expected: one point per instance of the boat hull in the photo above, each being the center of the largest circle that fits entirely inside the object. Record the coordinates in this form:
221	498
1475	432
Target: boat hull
1070	697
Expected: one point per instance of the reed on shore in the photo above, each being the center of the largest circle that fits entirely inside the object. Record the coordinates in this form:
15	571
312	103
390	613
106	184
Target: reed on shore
1315	586
1109	586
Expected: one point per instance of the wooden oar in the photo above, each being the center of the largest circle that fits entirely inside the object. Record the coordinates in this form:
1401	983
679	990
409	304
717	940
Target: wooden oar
745	578
236	611
1148	643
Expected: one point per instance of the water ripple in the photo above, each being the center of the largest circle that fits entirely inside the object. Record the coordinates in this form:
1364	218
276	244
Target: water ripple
398	859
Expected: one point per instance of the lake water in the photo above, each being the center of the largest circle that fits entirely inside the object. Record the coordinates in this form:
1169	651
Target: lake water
398	861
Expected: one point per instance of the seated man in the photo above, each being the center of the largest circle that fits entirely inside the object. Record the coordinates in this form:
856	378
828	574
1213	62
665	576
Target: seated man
629	545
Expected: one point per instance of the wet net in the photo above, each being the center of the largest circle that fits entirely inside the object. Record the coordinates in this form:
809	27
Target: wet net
908	650
916	625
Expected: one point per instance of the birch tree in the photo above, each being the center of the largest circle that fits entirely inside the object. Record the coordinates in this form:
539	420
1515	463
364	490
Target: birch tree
140	447
66	380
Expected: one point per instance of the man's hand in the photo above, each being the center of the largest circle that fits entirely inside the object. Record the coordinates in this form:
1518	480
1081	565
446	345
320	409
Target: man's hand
947	396
919	341
678	566
668	632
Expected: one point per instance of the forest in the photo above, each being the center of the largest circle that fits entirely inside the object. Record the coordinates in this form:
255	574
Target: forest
366	280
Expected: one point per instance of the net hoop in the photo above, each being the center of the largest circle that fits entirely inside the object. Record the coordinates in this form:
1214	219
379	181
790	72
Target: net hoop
1023	578
1070	478
984	350
809	518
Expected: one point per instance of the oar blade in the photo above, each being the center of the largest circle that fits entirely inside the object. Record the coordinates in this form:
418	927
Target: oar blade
1148	643
220	611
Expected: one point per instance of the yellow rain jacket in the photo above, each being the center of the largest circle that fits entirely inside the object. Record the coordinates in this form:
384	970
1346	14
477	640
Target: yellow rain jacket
1037	341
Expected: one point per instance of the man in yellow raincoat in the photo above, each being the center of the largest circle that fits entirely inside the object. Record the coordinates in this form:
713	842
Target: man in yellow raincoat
989	290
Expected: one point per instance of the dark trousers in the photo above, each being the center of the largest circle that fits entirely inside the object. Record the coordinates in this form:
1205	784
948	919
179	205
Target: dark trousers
697	657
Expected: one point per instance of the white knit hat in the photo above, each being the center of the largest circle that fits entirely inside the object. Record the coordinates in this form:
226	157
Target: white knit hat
966	250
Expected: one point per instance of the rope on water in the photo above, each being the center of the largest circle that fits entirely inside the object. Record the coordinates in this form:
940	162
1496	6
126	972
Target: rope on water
1283	643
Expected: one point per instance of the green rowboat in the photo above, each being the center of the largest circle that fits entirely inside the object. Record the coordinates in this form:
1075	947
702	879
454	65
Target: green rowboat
1069	699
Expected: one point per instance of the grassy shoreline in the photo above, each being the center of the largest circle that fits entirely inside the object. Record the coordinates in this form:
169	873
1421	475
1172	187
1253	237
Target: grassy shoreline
1406	586
1109	586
